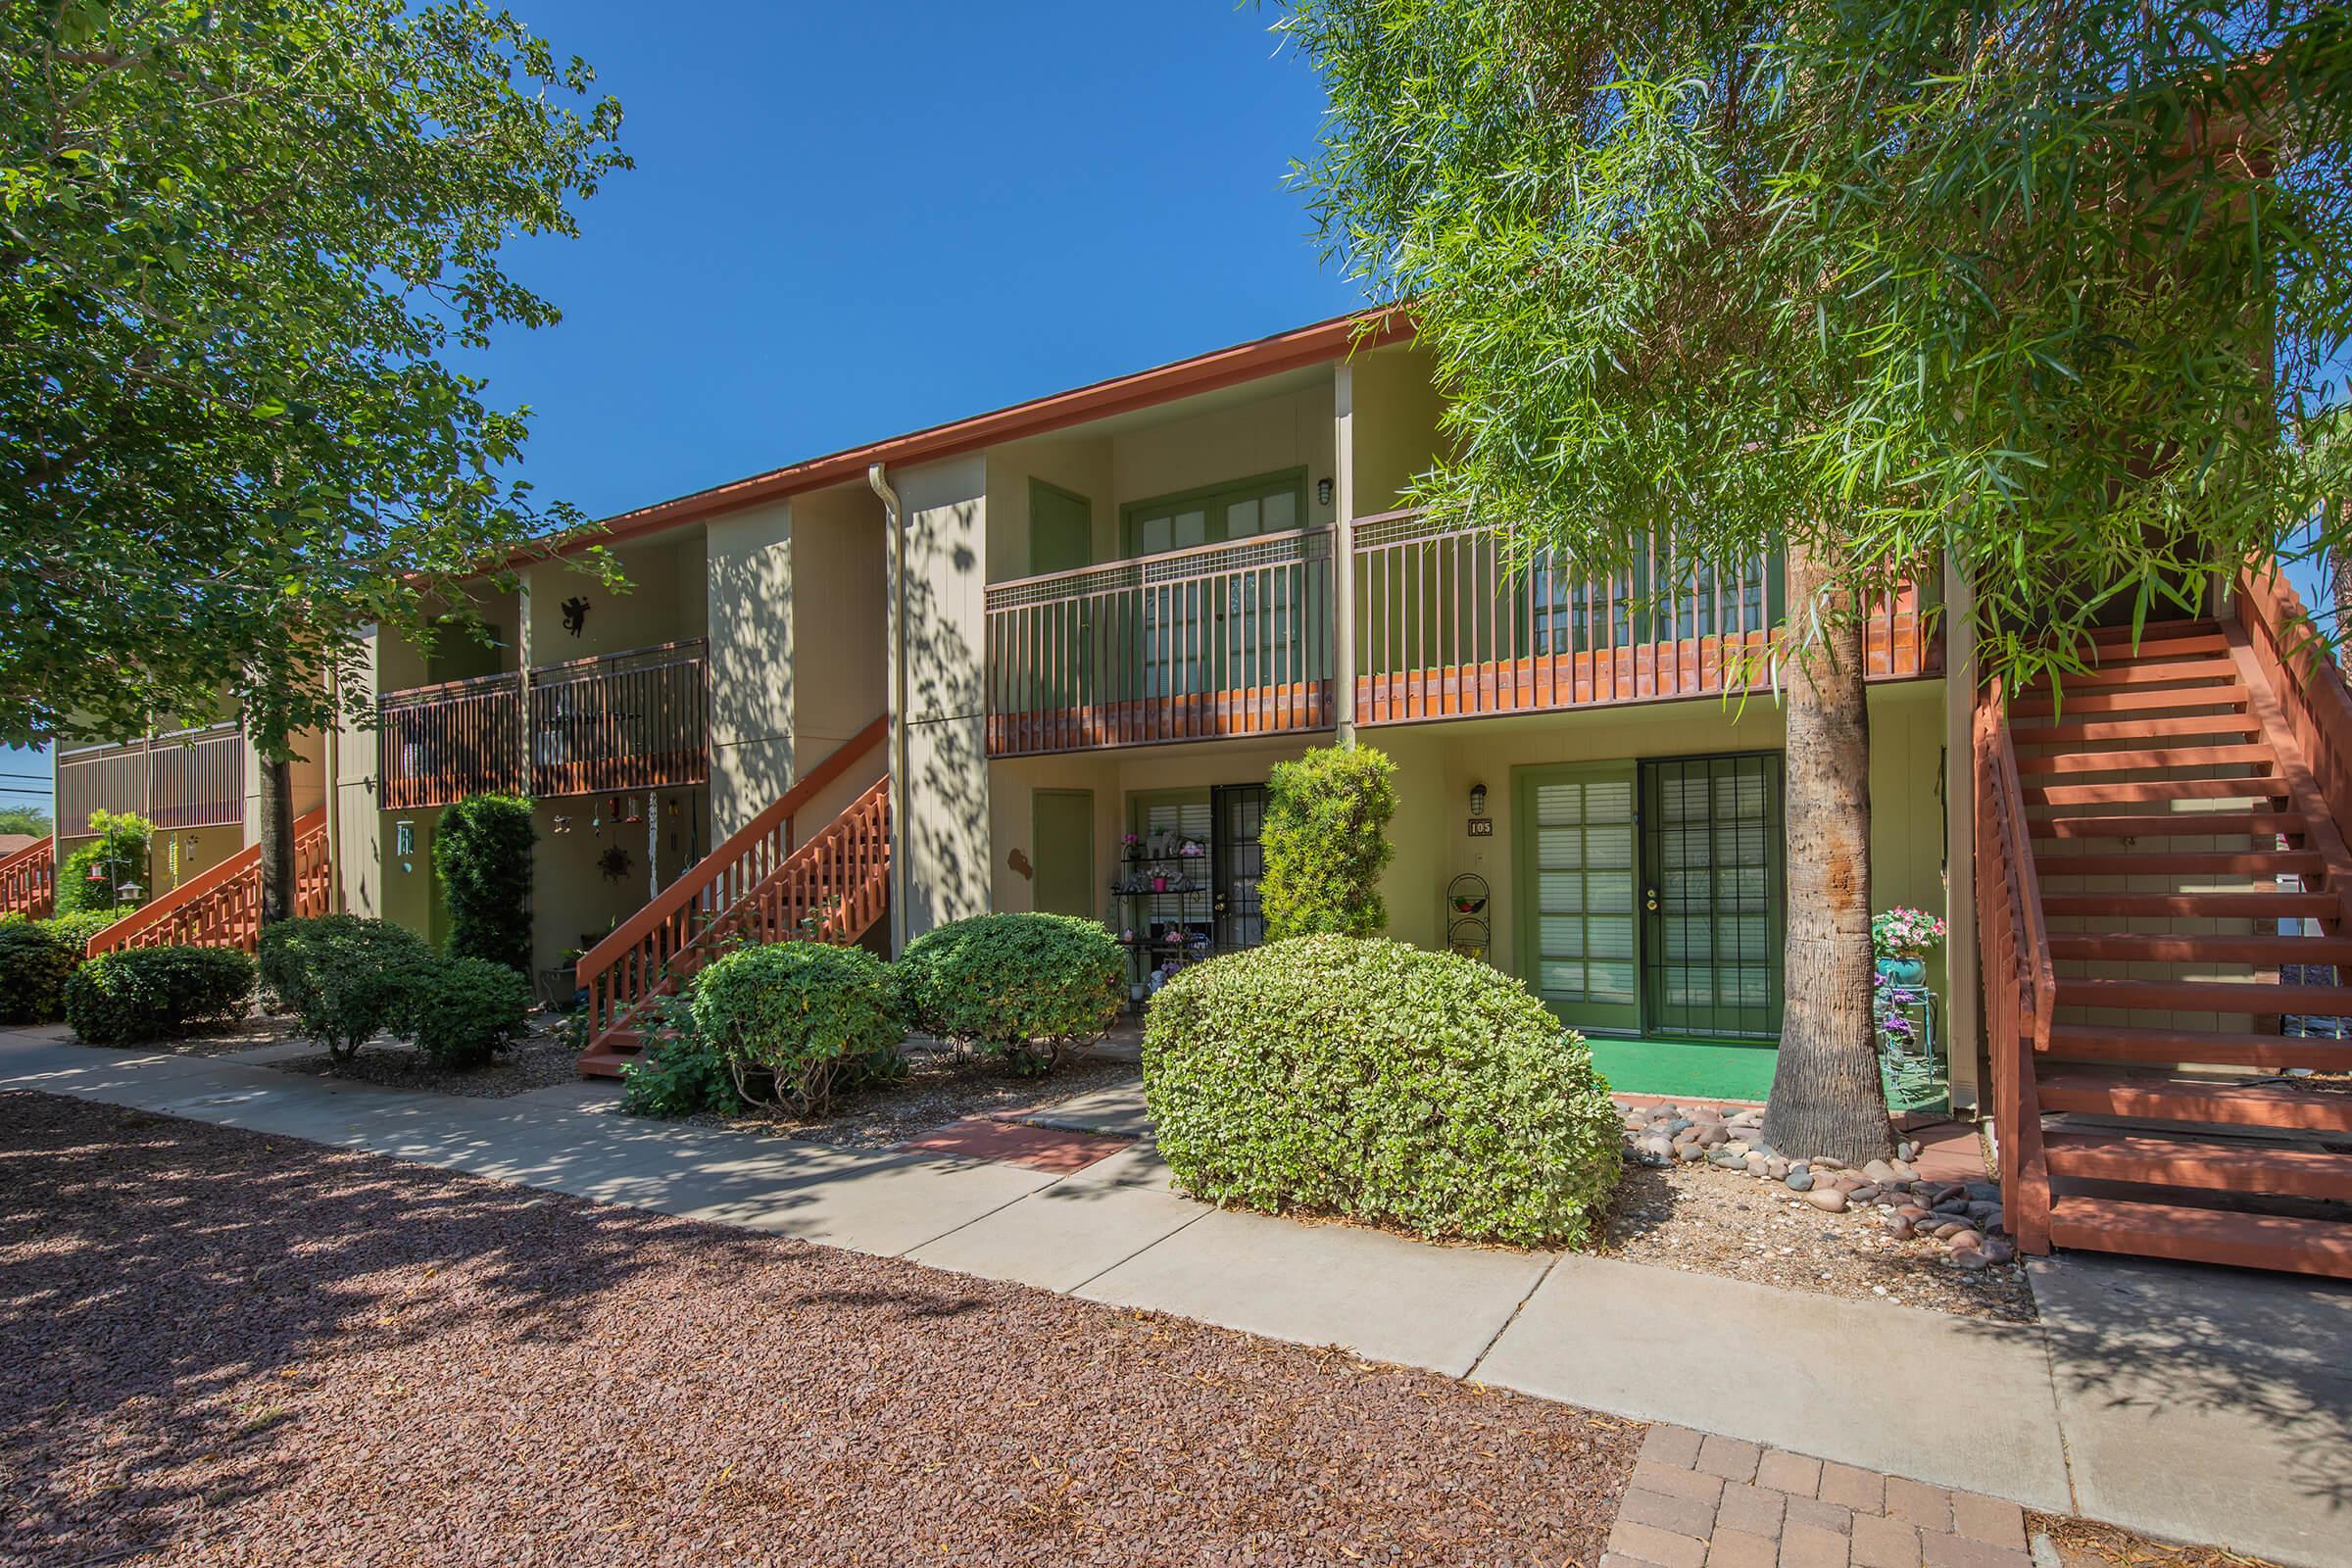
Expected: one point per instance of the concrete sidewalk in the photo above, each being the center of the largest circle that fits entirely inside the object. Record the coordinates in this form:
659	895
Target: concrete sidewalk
2185	1403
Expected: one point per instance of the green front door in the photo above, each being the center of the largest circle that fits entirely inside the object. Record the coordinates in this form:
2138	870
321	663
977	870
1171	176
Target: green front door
1577	921
1062	828
1712	898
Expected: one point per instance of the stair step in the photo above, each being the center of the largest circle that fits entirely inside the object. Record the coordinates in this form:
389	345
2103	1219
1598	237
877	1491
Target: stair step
2127	946
2086	1091
2203	1235
2106	676
2219	1165
2255	997
2179	644
2130	701
2150	631
2160	789
2197	862
2074	731
2161	756
2098	1042
2171	826
2264	906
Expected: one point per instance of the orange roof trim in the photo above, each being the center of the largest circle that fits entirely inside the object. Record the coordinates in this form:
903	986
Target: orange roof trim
1323	341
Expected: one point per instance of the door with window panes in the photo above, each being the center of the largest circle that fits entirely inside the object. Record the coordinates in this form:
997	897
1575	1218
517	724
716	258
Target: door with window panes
1202	637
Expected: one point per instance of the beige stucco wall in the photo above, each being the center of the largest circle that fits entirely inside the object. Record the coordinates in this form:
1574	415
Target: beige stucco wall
663	603
946	837
748	581
1395	413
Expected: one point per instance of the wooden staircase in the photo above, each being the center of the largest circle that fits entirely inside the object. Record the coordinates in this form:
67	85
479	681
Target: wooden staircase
2155	849
223	907
28	880
758	886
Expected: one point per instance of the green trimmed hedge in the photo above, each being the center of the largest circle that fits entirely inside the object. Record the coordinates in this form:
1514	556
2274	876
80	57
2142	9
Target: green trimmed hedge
136	994
34	962
460	1013
1025	987
342	976
796	1021
76	929
1363	1077
679	1073
1325	841
482	859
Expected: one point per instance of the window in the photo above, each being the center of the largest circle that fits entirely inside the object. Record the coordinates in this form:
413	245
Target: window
1241	509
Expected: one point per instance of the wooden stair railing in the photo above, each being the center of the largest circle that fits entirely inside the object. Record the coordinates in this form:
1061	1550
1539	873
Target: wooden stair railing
28	880
221	907
831	889
2020	982
623	970
2167	933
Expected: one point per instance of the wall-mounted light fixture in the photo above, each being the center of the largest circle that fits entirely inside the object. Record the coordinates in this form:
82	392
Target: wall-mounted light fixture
1478	800
1323	492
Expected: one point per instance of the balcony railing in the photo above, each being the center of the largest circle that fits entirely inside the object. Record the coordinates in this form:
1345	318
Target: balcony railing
190	778
1454	626
622	721
1235	639
1218	640
633	721
439	744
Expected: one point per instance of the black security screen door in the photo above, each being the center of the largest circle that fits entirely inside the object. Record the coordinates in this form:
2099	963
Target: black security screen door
1712	898
1241	819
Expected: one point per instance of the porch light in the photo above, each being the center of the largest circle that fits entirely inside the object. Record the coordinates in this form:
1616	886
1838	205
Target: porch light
1478	800
1323	492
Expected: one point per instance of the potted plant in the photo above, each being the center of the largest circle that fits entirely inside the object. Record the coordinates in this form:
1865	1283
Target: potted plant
1902	939
1135	845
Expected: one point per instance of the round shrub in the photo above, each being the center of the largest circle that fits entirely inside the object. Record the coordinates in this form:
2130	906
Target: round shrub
342	976
76	929
679	1073
794	1021
1364	1077
136	994
1025	987
460	1013
34	962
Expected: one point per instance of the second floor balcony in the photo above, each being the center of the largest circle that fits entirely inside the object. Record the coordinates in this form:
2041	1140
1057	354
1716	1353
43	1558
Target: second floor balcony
190	778
1237	639
631	720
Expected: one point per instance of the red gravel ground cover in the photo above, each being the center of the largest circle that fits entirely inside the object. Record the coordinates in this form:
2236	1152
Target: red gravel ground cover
229	1348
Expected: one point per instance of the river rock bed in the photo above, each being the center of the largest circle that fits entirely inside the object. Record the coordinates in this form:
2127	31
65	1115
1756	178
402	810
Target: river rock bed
1963	1218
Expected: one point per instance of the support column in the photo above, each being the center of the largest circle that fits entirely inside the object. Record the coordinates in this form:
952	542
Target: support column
1343	555
1962	1021
523	674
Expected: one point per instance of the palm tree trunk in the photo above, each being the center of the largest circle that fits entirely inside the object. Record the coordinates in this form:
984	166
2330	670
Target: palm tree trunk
277	840
1826	1094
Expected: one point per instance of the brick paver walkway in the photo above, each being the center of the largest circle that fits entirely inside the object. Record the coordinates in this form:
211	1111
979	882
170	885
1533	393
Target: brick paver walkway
1703	1501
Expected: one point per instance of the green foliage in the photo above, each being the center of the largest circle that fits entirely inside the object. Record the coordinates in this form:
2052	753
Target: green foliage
343	977
1025	987
34	962
460	1013
136	994
76	930
794	1021
241	240
25	819
482	859
1325	842
1369	1078
679	1074
1831	272
118	855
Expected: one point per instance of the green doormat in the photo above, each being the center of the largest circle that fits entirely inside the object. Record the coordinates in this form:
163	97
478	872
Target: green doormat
1694	1069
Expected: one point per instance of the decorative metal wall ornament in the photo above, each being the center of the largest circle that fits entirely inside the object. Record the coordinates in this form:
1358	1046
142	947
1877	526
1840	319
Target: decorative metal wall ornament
576	613
616	864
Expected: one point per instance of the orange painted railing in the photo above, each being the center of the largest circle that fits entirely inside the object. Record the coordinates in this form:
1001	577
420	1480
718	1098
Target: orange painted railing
2021	984
28	880
1213	640
188	779
1452	624
2311	692
436	745
221	907
622	971
633	721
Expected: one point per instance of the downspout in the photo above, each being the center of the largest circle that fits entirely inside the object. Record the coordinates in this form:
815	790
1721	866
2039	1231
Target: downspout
894	525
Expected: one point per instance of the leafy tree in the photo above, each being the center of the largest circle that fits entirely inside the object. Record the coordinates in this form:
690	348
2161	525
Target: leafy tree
25	819
2051	291
96	874
236	239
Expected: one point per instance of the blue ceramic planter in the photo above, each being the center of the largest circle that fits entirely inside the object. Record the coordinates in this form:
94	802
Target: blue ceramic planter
1904	971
